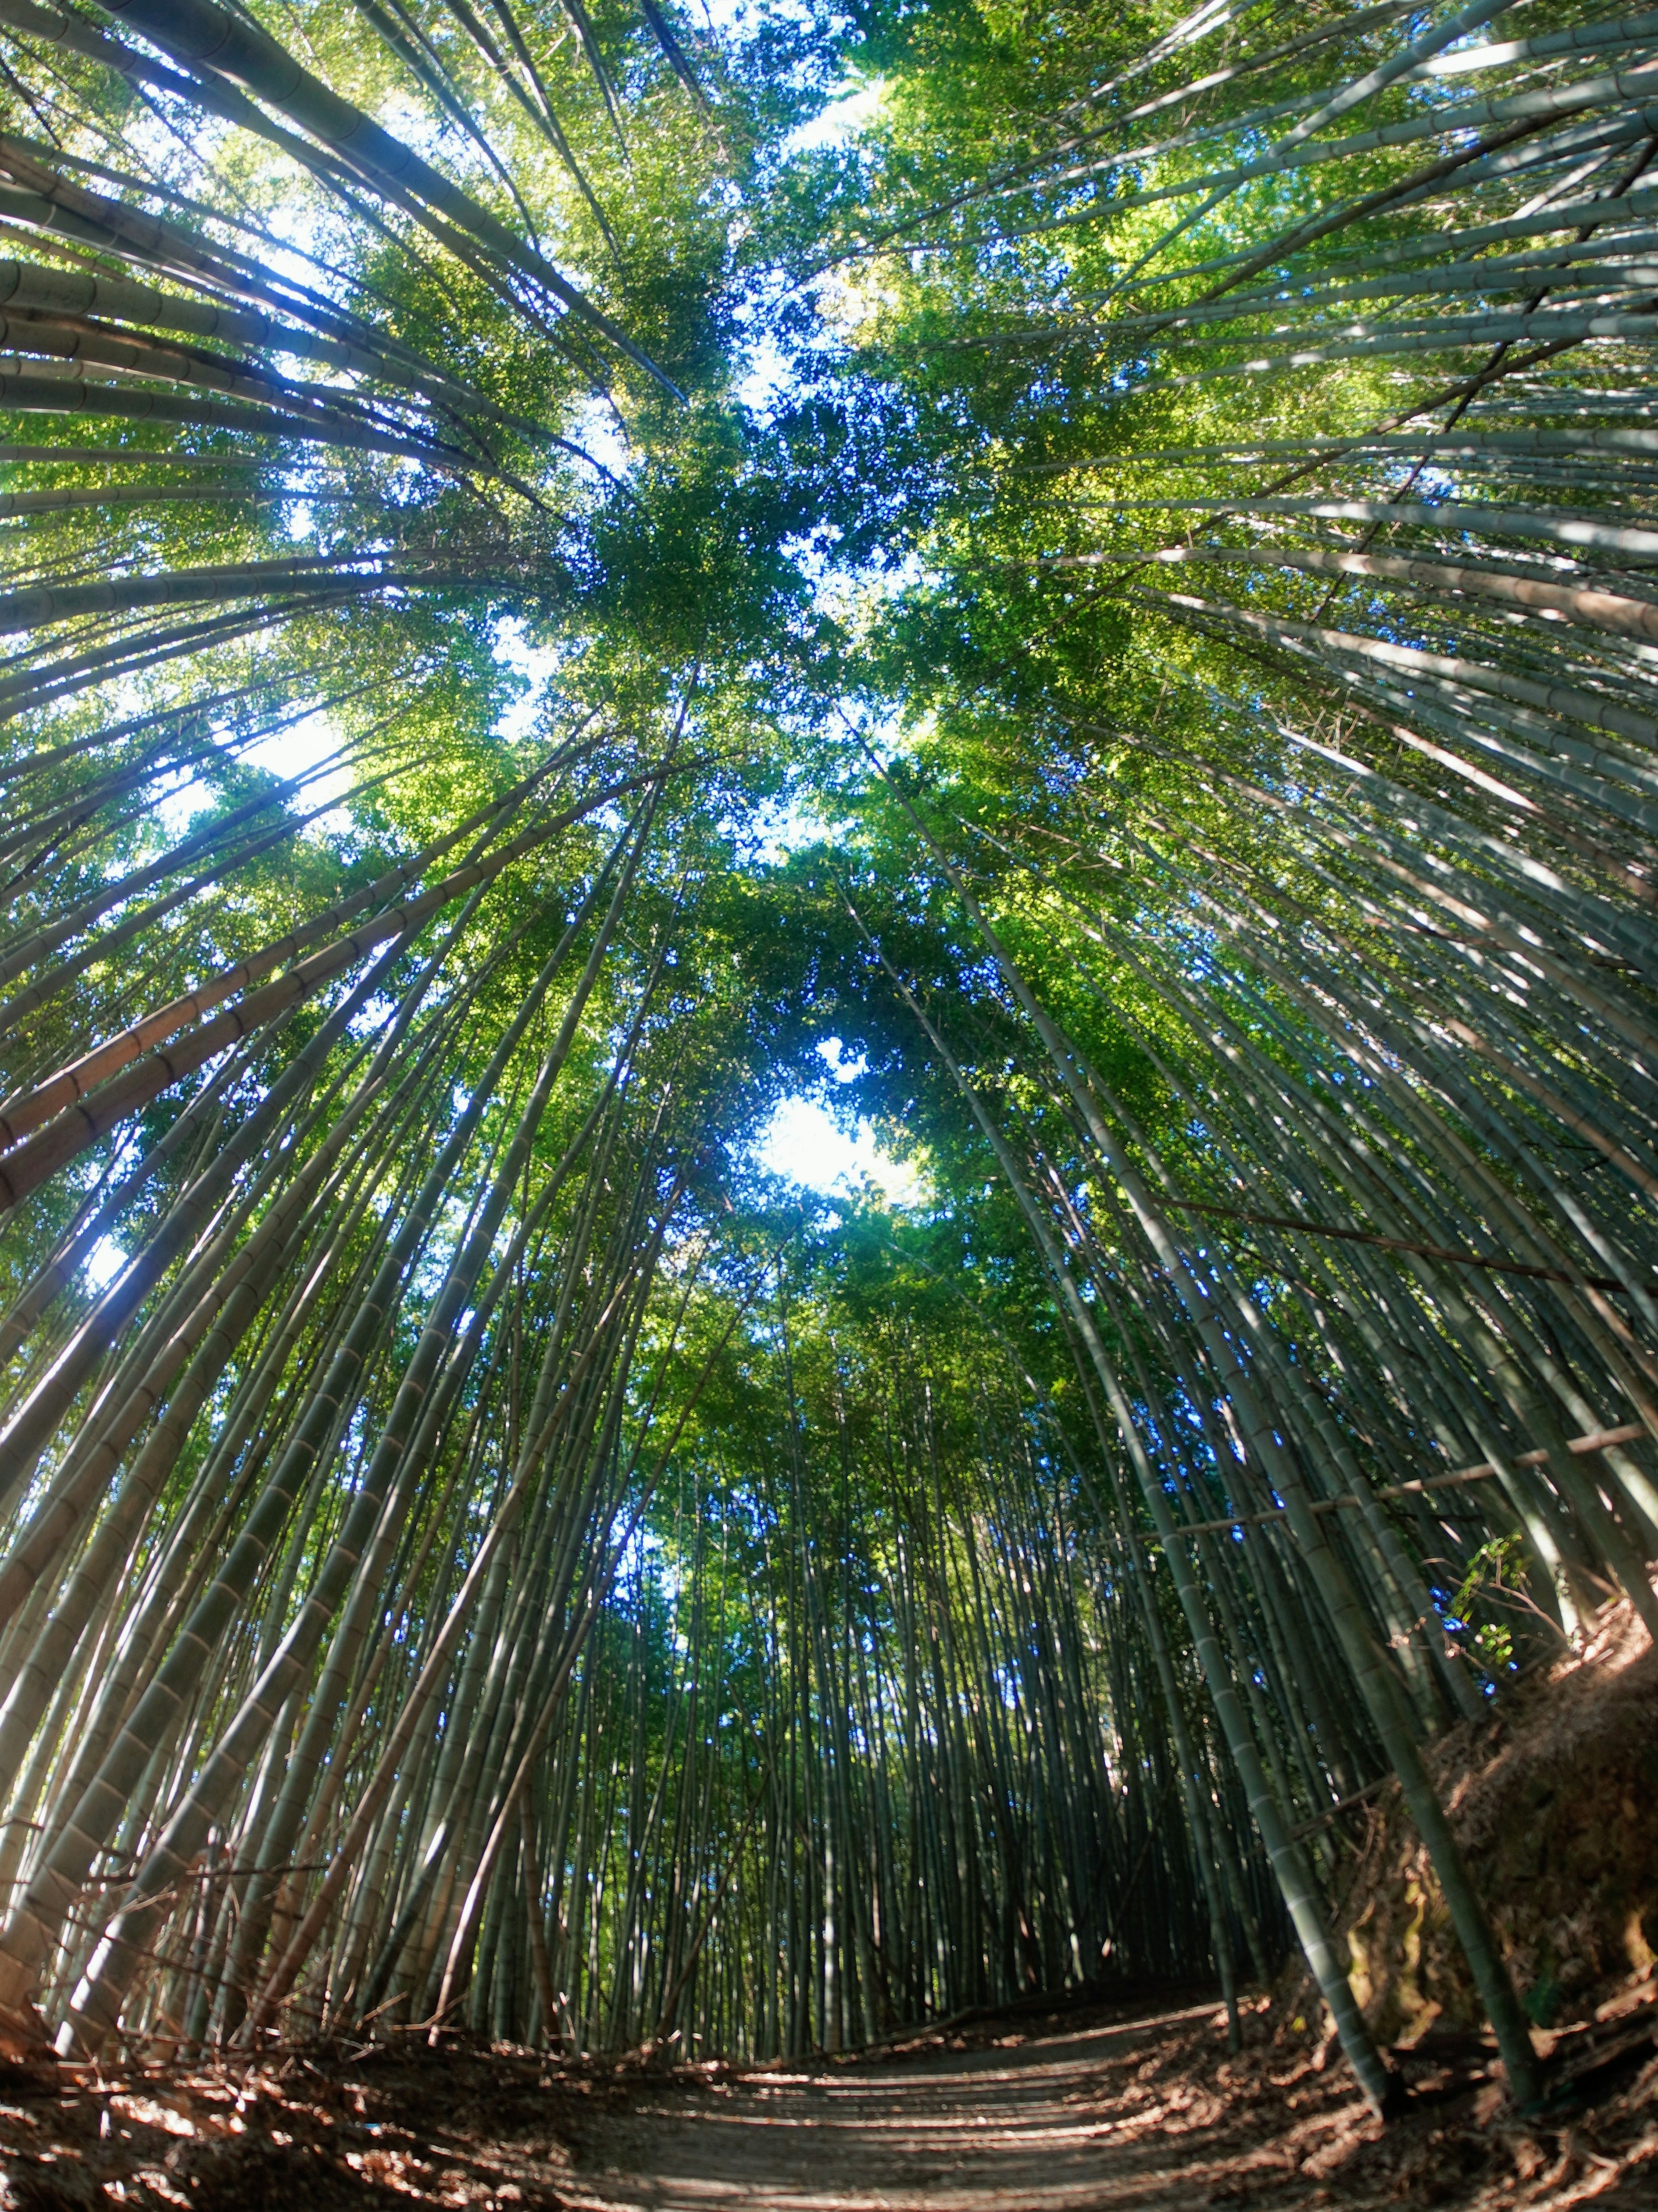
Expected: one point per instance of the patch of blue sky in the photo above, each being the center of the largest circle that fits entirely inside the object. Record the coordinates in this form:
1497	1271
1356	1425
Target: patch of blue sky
766	377
537	664
770	832
425	132
769	380
103	1264
299	750
173	799
875	727
805	1143
773	831
850	112
289	248
739	21
596	427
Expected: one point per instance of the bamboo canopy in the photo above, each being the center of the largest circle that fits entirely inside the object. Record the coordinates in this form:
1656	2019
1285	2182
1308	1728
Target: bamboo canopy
567	577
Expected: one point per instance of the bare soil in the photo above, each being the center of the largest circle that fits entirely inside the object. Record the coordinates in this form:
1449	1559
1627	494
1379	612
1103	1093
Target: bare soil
1554	1799
1105	2107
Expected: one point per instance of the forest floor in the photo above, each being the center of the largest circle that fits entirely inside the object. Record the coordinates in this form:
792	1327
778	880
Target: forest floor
1107	2107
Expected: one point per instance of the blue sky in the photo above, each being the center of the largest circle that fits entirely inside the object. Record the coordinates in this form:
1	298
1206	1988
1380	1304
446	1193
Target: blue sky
804	1142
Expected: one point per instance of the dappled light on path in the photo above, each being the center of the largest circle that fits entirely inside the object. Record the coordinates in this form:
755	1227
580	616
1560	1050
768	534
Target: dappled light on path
1142	2110
1123	2108
1043	2124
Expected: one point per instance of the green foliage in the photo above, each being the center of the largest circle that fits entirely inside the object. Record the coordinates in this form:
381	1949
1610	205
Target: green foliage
1487	1583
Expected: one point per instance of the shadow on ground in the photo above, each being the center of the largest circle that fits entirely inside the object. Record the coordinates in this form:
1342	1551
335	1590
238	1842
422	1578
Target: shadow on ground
1092	2107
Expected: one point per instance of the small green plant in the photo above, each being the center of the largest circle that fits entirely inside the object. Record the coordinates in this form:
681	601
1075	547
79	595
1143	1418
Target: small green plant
1486	1570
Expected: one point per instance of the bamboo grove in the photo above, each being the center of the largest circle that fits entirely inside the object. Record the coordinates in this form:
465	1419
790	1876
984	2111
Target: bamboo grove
551	591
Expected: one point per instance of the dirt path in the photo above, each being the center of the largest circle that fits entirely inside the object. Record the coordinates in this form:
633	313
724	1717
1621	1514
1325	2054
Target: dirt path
1108	2109
1142	2111
1041	2126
